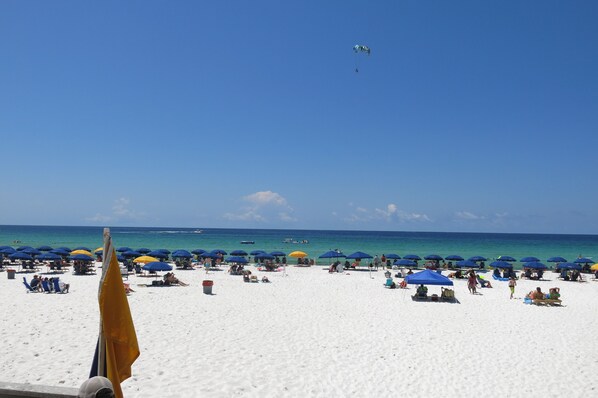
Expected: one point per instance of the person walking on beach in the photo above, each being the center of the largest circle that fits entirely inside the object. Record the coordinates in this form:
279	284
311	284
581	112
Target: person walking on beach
512	284
376	262
472	281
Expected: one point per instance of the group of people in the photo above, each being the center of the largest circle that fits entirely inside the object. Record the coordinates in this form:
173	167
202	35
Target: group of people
47	284
554	293
573	276
170	279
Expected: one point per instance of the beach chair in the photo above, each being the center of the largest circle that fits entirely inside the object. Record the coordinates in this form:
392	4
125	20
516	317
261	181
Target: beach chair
57	286
552	302
29	288
46	287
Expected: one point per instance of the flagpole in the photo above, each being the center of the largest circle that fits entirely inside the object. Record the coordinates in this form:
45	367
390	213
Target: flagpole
106	254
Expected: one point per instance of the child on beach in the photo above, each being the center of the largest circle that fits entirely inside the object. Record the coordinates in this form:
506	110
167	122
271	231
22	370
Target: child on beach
472	282
512	284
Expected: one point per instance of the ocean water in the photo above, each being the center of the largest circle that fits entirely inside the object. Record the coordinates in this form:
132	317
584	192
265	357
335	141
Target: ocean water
466	245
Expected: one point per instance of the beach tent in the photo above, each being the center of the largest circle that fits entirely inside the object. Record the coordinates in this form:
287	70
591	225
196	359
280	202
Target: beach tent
428	277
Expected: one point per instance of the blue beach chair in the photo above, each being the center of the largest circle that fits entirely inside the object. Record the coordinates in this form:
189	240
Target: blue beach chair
57	287
29	288
46	286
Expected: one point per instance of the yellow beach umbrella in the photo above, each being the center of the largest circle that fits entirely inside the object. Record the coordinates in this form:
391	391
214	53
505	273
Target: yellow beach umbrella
298	254
99	249
82	252
594	267
145	259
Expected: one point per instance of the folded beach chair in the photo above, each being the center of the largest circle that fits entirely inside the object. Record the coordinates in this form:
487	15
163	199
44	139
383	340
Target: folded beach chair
46	287
29	288
57	286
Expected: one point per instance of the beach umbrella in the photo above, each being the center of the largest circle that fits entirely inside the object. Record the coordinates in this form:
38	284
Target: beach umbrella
256	252
158	254
332	254
534	265
61	252
501	264
581	260
359	255
466	264
238	253
181	254
594	267
298	254
8	250
21	248
210	255
145	259
81	257
99	249
428	277
264	256
198	251
32	251
413	257
477	258
576	266
433	257
49	257
506	258
392	256
124	249
237	259
405	263
20	256
131	253
81	251
64	248
529	259
44	248
454	257
7	247
157	266
278	253
219	251
557	259
165	251
82	248
144	250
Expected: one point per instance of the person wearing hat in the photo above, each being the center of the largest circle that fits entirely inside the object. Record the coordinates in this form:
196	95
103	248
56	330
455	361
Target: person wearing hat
96	387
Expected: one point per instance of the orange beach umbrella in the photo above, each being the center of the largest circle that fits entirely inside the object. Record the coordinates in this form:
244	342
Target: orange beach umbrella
594	267
145	259
298	254
81	252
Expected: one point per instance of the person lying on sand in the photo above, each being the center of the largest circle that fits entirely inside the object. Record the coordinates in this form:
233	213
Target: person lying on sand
170	279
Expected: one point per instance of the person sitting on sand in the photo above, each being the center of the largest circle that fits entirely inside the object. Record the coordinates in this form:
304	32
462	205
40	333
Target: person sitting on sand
537	294
422	291
36	283
265	279
170	279
554	293
483	282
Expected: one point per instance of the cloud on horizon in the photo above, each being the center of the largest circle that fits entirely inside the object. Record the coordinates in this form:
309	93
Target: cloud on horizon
120	212
262	207
391	213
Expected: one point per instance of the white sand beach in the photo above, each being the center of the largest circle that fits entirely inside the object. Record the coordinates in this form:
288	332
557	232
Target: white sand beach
312	334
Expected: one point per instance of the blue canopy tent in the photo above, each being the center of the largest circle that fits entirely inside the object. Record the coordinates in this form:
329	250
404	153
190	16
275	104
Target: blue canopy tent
428	277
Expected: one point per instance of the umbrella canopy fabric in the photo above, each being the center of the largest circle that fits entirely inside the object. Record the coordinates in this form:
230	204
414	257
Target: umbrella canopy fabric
21	248
49	257
428	277
393	256
506	258
433	257
219	251
237	259
144	250
64	248
332	254
61	252
198	251
256	252
87	249
181	254
124	249
581	260
158	254
44	248
298	254
81	257
131	253
165	251
477	258
157	266
145	259
99	249
534	265
20	256
32	251
413	257
557	259
594	267
576	266
454	257
405	263
238	253
501	264
467	264
278	253
264	256
81	251
8	250
359	255
529	259
209	255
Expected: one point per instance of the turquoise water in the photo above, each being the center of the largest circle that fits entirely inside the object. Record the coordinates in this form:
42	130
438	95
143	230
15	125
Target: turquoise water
466	245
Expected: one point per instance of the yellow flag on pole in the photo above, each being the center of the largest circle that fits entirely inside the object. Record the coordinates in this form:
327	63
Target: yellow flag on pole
117	324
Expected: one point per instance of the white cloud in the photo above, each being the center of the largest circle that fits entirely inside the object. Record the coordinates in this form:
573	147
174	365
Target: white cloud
390	213
466	215
266	197
120	211
263	206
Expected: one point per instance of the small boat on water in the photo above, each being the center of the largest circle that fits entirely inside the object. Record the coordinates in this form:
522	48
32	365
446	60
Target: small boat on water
247	242
198	231
291	240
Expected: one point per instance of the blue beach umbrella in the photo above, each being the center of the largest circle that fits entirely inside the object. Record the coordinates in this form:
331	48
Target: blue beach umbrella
131	253
209	255
392	256
413	257
529	259
64	249
144	250
61	252
44	248
32	251
7	247
49	257
124	249
158	254
8	250
581	260
81	257
557	259
181	254
359	255
219	251
278	253
238	253
405	263
165	251
21	248
237	259
466	264
155	266
433	257
534	265
506	258
428	277
454	257
477	258
574	266
256	252
501	264
198	251
332	254
264	256
20	256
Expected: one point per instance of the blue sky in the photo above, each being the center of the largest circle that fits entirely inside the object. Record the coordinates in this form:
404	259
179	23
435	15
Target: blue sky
467	115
